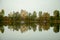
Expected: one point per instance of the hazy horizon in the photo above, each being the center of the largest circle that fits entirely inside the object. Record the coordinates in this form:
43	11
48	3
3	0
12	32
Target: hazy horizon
30	5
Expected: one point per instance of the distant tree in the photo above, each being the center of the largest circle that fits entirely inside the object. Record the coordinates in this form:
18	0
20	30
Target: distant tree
29	14
46	14
34	15
59	15
40	13
40	16
2	11
46	17
56	14
10	15
1	15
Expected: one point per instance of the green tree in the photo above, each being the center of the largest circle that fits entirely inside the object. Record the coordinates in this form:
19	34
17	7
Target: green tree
56	14
40	13
2	11
34	15
1	15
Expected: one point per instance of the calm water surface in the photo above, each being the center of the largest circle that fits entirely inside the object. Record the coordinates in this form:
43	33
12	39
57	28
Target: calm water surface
29	33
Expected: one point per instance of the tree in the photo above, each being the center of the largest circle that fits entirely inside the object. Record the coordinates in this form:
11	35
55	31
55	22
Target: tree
56	14
29	16
2	12
34	15
46	17
40	13
40	16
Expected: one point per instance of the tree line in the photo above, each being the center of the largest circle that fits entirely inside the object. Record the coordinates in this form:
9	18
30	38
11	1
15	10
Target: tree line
30	17
20	20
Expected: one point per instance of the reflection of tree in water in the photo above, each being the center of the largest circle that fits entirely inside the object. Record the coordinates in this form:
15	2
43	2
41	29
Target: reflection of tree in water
14	26
56	28
23	28
1	24
30	26
46	26
1	29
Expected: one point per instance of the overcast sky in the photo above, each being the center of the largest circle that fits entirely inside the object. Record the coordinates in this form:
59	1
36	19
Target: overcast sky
30	5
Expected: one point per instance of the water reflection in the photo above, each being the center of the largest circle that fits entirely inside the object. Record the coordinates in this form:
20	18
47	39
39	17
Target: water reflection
24	27
25	21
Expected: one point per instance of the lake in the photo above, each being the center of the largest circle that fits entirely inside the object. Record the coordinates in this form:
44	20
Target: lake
31	31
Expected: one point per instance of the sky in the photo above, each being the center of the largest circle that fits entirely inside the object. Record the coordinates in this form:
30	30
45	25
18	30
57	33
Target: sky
30	5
